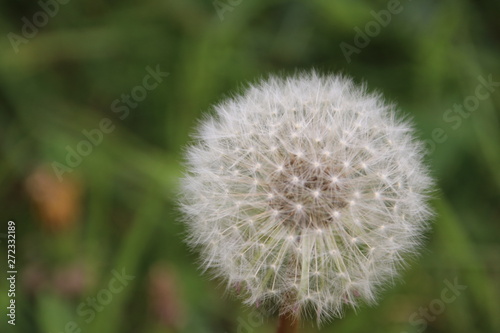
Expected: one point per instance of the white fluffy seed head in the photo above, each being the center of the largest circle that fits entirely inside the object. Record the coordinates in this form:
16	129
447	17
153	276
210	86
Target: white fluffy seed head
305	192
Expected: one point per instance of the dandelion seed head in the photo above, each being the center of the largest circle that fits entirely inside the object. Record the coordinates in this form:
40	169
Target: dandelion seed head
307	192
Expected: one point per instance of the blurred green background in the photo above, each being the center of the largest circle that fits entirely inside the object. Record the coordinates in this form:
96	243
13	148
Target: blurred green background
114	211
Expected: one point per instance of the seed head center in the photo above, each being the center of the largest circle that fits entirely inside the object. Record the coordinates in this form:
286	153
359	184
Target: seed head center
307	194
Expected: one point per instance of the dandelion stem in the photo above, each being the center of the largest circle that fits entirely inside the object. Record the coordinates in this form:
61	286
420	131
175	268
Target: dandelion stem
287	324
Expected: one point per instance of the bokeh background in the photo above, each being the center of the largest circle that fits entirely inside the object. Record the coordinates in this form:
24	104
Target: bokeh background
114	212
